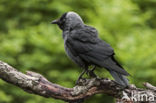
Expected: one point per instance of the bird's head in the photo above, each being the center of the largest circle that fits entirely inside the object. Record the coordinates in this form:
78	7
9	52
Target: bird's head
69	20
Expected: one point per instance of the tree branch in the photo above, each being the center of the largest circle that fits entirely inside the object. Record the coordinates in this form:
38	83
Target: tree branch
35	83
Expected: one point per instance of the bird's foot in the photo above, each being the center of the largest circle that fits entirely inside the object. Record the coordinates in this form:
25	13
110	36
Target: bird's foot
81	82
78	80
80	77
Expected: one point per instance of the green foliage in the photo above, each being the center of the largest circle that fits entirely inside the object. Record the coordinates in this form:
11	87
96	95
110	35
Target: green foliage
29	42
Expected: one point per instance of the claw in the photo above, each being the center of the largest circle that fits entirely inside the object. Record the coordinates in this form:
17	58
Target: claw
78	80
88	72
80	77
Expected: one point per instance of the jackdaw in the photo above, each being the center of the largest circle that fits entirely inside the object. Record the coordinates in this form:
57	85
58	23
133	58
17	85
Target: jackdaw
85	48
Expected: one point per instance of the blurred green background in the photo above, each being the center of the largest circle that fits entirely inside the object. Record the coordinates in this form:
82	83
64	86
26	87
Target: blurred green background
29	42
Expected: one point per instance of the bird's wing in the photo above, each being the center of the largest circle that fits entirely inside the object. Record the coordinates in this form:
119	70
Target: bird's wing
86	44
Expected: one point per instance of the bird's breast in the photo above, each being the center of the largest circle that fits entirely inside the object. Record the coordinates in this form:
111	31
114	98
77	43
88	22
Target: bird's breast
67	49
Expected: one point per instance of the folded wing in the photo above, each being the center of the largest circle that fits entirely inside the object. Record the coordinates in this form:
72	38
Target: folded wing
86	44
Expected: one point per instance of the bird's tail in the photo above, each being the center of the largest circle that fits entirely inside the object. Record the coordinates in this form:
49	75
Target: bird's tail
119	78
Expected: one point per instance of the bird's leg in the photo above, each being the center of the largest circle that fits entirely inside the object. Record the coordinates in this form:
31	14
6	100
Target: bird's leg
84	71
91	72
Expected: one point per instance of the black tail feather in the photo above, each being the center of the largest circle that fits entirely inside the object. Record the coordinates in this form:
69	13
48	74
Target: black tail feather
119	78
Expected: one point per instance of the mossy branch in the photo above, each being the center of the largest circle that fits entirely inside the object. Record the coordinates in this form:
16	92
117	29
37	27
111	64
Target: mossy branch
37	84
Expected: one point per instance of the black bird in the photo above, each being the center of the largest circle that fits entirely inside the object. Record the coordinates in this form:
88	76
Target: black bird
85	48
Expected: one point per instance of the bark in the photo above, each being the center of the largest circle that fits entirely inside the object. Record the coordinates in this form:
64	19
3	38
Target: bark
35	83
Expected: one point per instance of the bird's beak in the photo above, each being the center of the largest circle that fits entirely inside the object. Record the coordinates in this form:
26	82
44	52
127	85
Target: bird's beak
55	21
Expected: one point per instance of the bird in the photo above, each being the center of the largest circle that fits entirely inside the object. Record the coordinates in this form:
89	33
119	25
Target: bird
84	47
